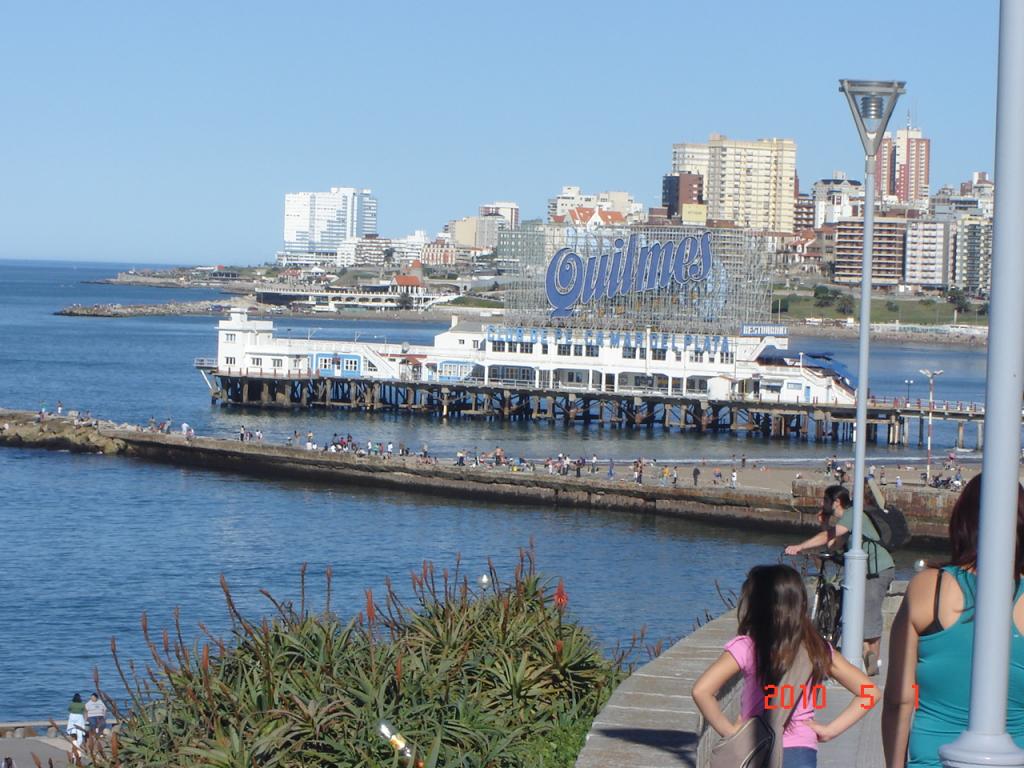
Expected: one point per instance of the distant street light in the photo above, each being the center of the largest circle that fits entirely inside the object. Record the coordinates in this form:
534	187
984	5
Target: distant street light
909	383
871	103
932	375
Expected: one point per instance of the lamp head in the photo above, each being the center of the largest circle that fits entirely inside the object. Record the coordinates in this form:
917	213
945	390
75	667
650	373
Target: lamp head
872	103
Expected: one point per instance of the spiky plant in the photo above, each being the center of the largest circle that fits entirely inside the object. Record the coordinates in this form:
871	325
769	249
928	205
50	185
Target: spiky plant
471	677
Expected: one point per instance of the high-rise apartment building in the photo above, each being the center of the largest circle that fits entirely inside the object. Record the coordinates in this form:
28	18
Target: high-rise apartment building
972	260
886	252
803	213
507	210
929	252
321	221
681	188
902	167
750	183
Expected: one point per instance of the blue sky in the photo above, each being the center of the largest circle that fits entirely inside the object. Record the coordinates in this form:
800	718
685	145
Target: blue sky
170	132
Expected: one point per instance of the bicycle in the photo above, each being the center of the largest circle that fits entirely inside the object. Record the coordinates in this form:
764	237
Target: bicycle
827	598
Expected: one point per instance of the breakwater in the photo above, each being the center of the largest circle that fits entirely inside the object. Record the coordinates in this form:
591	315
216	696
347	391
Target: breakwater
927	509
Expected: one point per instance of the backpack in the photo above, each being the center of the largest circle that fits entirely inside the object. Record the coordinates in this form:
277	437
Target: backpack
893	531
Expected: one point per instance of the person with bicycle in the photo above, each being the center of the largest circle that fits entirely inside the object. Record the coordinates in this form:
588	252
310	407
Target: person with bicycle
836	520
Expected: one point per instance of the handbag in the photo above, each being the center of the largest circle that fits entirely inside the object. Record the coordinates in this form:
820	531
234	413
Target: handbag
758	742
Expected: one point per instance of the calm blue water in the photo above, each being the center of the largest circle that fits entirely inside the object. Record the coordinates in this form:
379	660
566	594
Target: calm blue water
88	543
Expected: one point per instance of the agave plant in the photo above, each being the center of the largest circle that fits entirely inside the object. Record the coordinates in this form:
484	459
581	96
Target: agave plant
471	677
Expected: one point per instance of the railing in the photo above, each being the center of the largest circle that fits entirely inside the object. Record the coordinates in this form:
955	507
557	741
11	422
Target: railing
205	363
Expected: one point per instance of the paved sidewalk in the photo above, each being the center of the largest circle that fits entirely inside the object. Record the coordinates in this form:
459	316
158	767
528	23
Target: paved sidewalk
651	721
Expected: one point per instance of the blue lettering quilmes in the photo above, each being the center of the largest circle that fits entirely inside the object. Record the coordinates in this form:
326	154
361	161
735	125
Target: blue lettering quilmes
571	280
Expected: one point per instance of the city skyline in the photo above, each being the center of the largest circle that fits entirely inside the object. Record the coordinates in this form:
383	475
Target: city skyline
172	134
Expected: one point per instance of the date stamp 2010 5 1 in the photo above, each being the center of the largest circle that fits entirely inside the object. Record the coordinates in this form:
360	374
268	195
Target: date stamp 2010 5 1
814	696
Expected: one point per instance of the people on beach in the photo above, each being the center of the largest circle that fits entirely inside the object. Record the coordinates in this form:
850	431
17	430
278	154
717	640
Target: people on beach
928	686
836	519
776	643
696	475
732	479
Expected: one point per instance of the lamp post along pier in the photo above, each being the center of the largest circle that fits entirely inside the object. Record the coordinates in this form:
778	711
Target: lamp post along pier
932	375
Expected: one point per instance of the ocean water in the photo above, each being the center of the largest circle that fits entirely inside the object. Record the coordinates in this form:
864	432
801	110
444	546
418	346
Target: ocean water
89	543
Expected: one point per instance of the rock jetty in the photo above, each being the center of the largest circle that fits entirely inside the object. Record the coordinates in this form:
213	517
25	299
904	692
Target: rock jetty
927	509
149	310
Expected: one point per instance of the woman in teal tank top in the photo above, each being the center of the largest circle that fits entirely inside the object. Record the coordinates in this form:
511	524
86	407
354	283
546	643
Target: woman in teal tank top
927	691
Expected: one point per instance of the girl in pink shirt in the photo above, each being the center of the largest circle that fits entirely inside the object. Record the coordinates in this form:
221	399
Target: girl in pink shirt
774	626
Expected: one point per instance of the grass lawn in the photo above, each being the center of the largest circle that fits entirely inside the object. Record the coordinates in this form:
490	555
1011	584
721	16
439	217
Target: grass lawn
475	301
883	310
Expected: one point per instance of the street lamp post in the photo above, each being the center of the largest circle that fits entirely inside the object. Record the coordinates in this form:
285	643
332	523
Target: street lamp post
871	103
932	375
909	383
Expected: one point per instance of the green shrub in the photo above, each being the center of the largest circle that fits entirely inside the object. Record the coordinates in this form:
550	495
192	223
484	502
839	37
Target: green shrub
492	676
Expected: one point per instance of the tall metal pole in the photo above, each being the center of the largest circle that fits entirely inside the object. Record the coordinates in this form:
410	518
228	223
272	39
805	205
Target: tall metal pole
931	407
856	559
986	742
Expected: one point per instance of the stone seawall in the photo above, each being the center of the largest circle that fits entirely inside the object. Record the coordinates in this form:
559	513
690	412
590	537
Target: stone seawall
926	509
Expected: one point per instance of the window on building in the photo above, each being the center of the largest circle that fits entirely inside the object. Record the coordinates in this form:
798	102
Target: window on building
229	337
643	353
370	366
513	346
564	349
257	362
476	343
727	357
497	346
351	364
462	341
526	347
575	377
679	356
657	354
629	353
543	349
697	356
229	361
276	362
577	350
593	350
696	384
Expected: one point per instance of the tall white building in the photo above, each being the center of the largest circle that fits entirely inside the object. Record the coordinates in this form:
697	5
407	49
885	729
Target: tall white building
750	183
929	252
321	221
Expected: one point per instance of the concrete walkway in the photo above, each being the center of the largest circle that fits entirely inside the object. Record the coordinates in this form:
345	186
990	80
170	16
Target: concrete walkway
651	721
46	748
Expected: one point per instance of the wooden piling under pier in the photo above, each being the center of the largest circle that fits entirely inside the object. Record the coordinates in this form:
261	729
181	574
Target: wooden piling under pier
811	421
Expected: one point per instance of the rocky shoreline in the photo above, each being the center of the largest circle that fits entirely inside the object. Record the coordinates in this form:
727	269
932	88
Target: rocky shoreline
927	509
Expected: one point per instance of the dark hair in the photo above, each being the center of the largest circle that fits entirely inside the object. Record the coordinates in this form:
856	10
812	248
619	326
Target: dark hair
964	522
773	612
833	494
77	697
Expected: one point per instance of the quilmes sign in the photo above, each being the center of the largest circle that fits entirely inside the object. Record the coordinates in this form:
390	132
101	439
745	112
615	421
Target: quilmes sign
572	281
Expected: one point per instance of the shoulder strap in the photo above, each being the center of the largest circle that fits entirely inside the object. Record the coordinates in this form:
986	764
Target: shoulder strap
938	591
798	674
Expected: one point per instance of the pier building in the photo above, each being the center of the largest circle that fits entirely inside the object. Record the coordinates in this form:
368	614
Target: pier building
630	326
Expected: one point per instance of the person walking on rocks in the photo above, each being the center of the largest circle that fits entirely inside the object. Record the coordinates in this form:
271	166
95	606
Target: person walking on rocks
777	644
696	475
